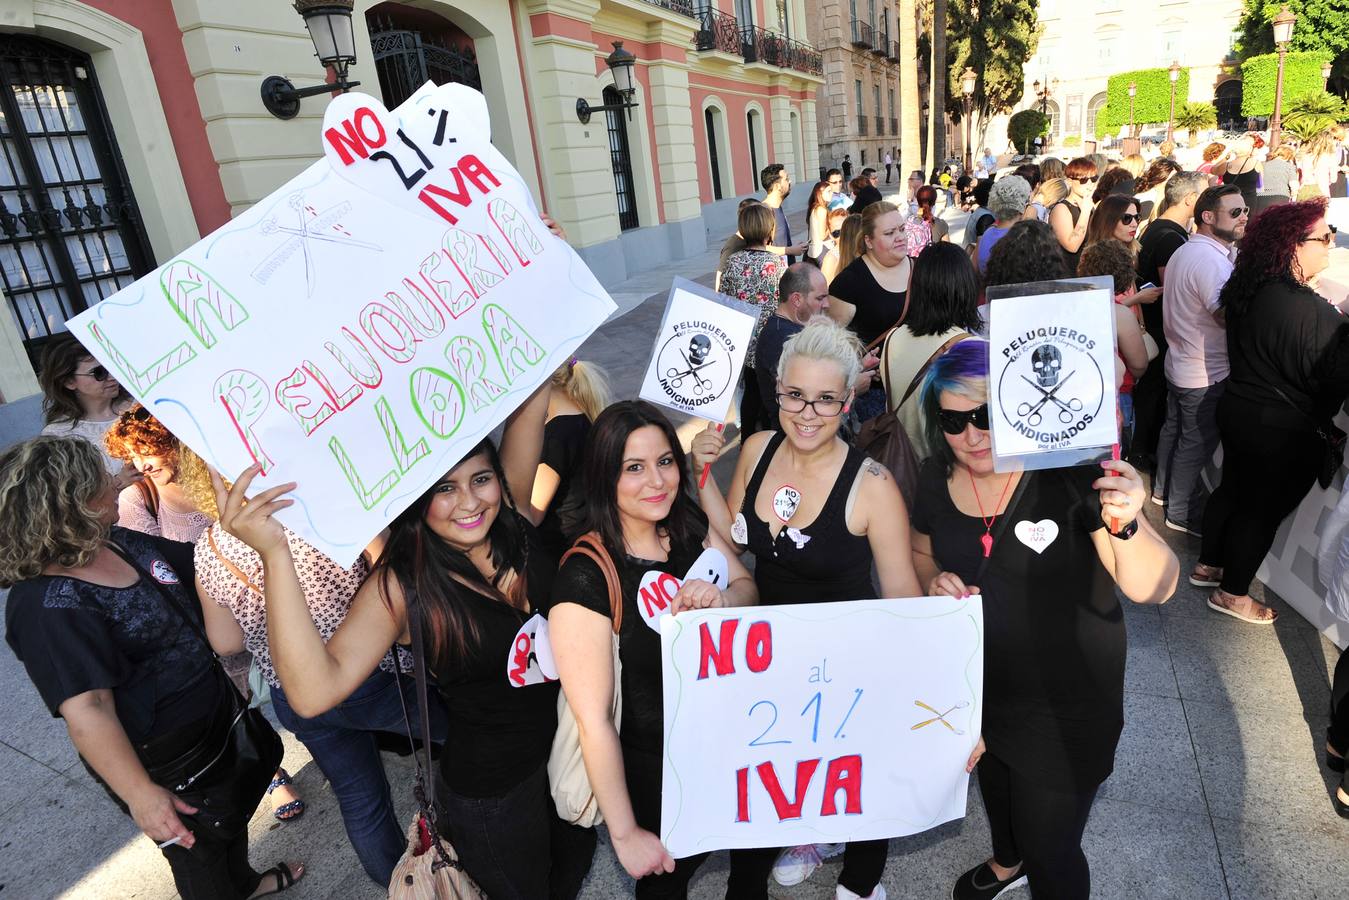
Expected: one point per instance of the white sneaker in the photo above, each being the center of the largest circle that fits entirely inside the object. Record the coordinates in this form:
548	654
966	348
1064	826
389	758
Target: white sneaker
829	851
843	893
795	864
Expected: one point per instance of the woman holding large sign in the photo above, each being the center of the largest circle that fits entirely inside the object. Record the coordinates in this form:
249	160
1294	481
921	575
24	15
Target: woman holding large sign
817	514
666	559
1036	546
474	570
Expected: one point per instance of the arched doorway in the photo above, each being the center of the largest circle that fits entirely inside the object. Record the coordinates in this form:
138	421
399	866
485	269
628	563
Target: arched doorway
1094	108
1051	109
712	122
1227	101
620	159
70	232
411	46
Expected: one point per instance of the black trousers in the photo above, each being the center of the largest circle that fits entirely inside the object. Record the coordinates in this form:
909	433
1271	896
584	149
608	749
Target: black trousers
1150	407
213	869
515	846
1267	470
1337	735
751	405
1038	827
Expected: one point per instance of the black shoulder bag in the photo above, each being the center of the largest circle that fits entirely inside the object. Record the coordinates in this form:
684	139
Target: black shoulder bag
1332	439
225	775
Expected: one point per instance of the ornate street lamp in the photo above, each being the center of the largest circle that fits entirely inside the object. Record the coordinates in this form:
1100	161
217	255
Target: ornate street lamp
1283	33
329	26
1174	74
968	79
621	63
1133	92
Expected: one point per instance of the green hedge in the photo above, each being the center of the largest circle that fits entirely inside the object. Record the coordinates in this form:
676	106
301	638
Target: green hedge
1024	127
1153	103
1301	75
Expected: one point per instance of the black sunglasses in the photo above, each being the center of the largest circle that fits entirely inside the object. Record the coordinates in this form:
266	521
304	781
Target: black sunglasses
1238	212
1092	180
1129	218
98	373
953	421
836	232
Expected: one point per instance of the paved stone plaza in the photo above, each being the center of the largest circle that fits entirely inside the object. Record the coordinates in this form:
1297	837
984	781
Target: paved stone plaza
1218	791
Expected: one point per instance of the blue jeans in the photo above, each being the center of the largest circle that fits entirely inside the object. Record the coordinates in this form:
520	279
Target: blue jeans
1188	441
342	742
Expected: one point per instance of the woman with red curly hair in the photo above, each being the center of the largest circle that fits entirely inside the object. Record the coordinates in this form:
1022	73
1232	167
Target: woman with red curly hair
1289	353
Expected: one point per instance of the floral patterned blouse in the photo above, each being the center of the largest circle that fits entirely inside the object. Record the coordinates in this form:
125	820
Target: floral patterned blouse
328	589
752	276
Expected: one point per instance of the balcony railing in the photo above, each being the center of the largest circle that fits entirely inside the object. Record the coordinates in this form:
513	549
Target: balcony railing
763	46
683	7
718	31
882	42
863	35
804	58
893	53
862	125
894	125
880	126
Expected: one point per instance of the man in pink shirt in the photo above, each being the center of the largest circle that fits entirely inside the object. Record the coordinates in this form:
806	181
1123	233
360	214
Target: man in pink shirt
1196	358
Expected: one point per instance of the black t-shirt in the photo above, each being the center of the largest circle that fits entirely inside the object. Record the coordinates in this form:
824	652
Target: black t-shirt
767	352
864	198
564	440
1071	257
1155	247
1054	632
581	581
499	734
877	309
74	636
1290	340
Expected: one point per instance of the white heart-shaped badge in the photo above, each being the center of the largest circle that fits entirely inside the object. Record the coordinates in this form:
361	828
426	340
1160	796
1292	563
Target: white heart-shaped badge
740	529
530	659
658	589
1037	535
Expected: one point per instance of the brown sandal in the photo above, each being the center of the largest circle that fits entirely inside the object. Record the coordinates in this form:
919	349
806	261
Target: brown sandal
1206	576
1250	611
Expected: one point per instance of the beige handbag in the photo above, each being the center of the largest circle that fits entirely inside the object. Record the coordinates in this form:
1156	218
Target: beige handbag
572	793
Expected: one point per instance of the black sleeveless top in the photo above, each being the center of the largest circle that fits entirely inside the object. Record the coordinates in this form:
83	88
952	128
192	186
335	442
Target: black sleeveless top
1071	258
821	562
1248	183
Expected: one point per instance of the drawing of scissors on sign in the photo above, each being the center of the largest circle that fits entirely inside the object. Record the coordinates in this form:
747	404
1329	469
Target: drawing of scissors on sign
939	716
700	384
1031	412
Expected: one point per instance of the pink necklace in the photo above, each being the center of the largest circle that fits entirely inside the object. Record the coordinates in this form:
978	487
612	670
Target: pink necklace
987	539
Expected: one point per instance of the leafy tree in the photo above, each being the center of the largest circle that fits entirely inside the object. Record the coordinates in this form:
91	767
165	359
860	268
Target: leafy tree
1024	127
1196	117
1322	25
1311	114
996	37
1259	78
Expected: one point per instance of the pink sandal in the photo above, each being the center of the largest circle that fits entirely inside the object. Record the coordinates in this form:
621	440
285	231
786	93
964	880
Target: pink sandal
1250	611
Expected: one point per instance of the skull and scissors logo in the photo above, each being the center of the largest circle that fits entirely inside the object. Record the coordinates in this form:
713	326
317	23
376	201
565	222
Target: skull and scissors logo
1047	363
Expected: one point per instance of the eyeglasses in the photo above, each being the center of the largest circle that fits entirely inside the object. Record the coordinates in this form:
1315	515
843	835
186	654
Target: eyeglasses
1129	218
794	403
1328	238
836	232
98	373
835	182
953	421
1092	180
1238	212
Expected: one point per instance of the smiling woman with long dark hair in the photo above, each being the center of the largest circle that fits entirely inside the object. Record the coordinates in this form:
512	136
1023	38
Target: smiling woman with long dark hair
465	560
646	519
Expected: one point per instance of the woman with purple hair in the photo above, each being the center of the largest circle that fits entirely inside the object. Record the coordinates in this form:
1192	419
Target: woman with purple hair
1047	549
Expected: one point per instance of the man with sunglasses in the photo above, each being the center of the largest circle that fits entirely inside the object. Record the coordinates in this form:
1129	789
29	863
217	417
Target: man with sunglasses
1196	359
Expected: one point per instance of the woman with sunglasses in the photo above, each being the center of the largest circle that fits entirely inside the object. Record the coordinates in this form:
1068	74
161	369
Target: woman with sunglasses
1289	355
1069	217
817	514
831	259
80	397
1039	547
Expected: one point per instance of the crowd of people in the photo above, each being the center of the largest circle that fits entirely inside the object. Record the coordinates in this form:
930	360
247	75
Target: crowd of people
134	569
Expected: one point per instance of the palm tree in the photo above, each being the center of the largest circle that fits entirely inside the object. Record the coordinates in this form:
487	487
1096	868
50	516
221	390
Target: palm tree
1311	114
910	109
1195	117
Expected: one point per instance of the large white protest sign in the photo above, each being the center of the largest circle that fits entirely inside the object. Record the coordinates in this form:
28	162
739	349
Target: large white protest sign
360	329
699	352
818	723
1051	382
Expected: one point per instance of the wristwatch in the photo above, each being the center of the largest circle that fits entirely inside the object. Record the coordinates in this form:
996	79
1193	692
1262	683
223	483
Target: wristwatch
1126	532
